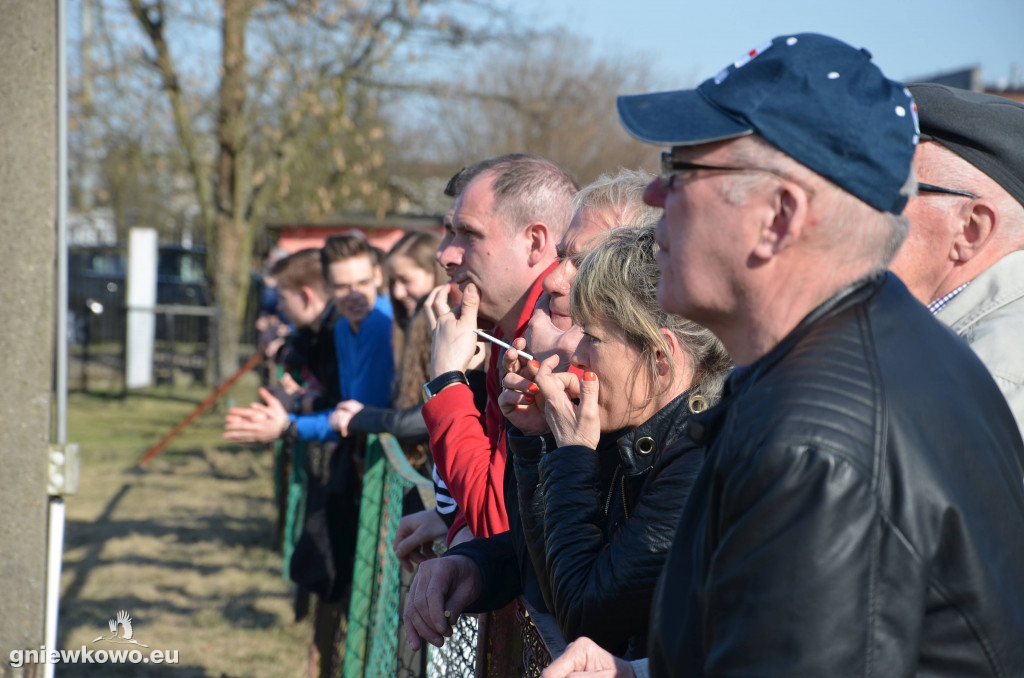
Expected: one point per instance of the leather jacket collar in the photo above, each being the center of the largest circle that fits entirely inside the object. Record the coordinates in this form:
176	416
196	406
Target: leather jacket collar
704	425
638	447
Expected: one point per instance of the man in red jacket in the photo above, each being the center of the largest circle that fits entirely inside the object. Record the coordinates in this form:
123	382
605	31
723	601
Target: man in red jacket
502	242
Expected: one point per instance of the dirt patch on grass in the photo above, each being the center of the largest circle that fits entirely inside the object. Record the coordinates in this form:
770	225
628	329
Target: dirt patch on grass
185	546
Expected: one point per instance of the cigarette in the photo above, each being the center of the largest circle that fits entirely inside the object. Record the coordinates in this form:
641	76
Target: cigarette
501	343
447	614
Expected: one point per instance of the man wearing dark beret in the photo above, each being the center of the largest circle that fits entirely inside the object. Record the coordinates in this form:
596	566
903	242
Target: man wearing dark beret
964	256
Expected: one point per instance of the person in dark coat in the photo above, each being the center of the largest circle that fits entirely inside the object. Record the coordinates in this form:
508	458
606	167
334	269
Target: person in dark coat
860	511
598	498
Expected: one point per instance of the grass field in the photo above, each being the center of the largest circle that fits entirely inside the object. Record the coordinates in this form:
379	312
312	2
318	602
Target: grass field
185	546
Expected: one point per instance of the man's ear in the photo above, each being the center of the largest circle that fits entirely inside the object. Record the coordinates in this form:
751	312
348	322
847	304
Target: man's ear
786	216
538	237
978	223
308	295
378	277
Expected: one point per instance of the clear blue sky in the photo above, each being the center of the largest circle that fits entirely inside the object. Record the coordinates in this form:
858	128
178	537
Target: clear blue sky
689	41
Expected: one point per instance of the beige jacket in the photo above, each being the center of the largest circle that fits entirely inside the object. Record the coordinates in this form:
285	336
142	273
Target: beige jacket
989	315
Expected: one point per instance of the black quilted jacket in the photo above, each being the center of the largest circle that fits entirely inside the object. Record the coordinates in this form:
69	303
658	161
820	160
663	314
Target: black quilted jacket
598	524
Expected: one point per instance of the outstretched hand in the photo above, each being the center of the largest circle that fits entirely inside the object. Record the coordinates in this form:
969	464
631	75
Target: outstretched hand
259	423
342	416
571	423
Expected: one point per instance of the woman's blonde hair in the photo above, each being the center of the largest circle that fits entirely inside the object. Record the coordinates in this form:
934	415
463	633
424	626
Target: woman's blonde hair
617	282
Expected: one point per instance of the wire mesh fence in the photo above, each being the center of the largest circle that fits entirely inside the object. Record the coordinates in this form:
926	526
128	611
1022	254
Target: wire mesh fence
375	644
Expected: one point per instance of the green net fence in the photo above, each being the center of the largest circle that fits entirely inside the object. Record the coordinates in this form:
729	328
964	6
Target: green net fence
372	644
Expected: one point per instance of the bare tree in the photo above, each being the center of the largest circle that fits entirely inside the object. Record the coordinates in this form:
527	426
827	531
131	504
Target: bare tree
555	99
289	121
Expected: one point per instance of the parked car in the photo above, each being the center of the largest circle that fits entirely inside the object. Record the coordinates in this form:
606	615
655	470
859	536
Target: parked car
96	287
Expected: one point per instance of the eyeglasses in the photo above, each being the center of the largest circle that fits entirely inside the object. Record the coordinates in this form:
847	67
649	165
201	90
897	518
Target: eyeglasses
928	188
671	168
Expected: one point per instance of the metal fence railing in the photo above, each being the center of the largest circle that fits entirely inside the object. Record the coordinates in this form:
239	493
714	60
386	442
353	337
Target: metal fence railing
183	348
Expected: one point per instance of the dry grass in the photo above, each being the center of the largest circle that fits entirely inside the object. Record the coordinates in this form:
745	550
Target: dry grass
185	546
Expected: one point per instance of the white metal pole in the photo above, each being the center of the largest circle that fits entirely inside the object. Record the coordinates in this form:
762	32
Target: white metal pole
54	558
56	512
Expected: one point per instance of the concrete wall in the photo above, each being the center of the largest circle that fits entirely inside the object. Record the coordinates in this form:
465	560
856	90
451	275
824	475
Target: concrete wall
28	169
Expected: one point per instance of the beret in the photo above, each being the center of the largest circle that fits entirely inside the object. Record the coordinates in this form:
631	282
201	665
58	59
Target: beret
986	131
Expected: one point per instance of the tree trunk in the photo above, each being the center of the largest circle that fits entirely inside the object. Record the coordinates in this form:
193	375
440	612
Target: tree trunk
232	255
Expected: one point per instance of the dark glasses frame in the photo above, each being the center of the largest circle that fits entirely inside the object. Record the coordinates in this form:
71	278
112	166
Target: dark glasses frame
671	168
930	188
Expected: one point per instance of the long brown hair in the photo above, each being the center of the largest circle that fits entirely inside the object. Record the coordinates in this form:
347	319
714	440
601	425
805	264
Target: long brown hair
412	335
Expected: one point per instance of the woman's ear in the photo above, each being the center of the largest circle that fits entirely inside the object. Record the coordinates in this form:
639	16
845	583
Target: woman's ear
676	356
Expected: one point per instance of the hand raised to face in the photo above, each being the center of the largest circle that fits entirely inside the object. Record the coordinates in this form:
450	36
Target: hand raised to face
570	405
454	343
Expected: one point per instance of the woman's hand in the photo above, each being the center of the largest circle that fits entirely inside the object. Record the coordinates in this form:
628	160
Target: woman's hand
571	423
520	400
342	415
583	657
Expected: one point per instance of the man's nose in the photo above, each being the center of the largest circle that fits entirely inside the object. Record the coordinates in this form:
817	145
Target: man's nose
654	194
556	283
449	256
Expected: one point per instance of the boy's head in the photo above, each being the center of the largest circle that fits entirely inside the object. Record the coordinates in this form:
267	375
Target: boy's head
302	291
353	274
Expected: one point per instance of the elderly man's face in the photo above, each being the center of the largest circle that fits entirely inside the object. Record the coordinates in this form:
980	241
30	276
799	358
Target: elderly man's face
924	259
551	329
704	240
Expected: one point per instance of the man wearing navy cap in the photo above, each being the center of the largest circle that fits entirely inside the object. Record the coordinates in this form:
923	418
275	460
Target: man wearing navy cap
860	511
964	256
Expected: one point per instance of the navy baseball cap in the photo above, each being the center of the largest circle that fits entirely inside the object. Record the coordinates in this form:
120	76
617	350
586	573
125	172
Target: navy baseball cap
817	99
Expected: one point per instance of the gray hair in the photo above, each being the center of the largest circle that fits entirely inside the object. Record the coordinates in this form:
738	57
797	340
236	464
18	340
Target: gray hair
617	282
622	194
855	230
528	188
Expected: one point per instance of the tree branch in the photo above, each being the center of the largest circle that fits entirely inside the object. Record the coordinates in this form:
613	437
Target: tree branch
153	28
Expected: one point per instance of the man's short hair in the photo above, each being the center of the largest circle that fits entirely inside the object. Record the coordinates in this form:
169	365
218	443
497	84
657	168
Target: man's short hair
528	188
299	270
345	246
457	184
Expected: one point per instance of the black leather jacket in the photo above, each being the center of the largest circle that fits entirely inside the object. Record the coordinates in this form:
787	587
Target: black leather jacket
860	511
608	516
598	525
